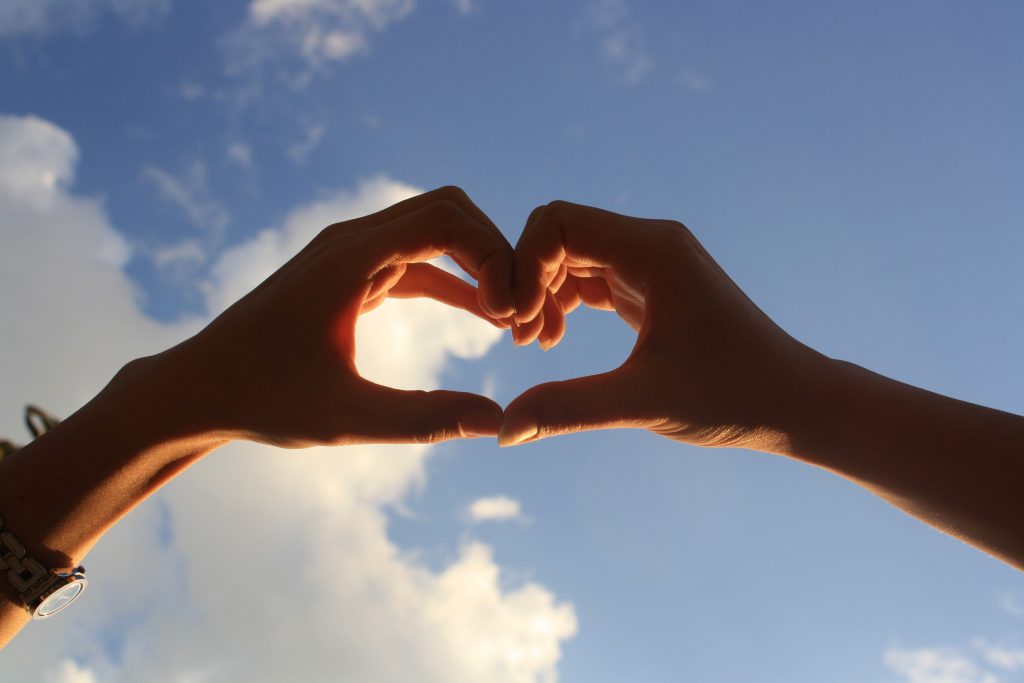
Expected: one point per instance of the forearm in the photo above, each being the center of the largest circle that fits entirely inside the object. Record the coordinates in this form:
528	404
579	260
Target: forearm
955	465
60	493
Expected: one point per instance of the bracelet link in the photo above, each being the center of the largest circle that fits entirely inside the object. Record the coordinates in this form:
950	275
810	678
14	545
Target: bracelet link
24	573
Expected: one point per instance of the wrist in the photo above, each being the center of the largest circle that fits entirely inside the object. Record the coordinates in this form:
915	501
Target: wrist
820	423
61	492
803	408
170	398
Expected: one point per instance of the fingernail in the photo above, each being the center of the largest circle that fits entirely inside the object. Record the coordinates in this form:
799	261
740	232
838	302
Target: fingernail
497	313
506	312
523	319
485	308
515	333
516	430
481	423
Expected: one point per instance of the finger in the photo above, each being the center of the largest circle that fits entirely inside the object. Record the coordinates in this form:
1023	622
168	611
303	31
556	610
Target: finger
568	296
426	280
443	227
496	295
385	279
370	304
390	415
449	193
595	293
559	278
526	333
589	237
554	322
610	400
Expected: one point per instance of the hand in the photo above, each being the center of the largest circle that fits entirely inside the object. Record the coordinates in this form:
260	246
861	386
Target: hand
278	366
708	368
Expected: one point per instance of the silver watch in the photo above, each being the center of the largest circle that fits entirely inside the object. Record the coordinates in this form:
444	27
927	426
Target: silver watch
44	591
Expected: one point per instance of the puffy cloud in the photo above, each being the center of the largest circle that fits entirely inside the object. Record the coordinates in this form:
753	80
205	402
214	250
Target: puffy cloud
255	565
495	508
313	32
37	160
70	672
44	16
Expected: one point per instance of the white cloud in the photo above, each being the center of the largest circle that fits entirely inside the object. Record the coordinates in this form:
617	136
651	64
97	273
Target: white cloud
621	40
47	16
936	665
691	80
262	12
313	33
495	509
981	662
37	160
1002	657
299	151
68	671
190	193
179	262
240	153
190	91
272	566
464	6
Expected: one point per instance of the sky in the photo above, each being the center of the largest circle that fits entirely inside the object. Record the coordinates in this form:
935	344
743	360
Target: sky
856	168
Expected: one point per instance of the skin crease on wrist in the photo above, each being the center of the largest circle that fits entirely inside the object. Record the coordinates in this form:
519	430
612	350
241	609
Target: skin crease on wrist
708	368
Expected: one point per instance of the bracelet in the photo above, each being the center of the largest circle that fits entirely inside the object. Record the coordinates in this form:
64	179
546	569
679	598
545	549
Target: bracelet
44	591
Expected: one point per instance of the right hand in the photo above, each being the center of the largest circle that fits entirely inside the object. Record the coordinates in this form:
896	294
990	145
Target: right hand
709	367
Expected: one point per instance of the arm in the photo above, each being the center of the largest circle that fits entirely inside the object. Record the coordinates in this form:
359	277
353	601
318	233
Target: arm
954	465
709	368
277	367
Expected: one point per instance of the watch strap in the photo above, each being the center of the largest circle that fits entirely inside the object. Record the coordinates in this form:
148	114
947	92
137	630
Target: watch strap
26	574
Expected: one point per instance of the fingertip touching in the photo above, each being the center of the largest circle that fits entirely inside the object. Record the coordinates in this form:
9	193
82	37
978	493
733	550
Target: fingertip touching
495	283
529	273
517	429
426	417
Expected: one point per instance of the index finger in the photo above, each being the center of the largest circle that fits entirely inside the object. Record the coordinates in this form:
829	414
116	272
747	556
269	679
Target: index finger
443	227
497	271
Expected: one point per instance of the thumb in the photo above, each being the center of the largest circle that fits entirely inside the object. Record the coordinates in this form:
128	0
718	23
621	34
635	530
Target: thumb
605	401
390	415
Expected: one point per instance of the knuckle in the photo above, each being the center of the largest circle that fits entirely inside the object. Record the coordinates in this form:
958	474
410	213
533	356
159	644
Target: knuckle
683	230
559	206
674	232
444	208
336	230
452	192
436	436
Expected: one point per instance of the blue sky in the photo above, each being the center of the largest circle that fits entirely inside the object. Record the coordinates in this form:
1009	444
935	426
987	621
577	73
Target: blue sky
856	167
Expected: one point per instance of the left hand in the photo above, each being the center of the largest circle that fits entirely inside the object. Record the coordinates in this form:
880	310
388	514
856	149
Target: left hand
278	366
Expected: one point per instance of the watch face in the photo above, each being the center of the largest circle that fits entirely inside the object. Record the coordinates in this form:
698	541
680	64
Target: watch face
60	599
